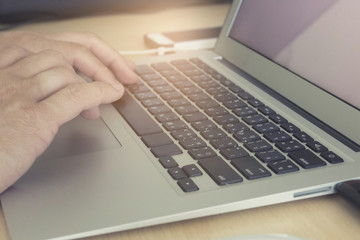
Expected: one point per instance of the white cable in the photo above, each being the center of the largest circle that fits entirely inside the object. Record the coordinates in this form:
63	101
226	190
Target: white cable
158	51
178	47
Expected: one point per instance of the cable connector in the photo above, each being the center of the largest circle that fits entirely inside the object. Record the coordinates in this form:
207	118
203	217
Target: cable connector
350	190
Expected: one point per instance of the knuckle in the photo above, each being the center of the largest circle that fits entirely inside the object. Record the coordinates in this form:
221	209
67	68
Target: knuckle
64	72
79	49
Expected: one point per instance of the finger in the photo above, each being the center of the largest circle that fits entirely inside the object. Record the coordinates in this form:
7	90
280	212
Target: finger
85	62
107	55
40	62
69	102
92	113
12	54
50	81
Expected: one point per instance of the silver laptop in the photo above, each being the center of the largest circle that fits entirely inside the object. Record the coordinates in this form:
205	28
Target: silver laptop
272	115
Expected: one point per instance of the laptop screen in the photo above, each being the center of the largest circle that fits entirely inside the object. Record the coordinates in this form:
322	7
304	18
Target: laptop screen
317	40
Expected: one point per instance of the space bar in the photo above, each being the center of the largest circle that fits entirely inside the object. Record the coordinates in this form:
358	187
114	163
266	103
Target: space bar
139	120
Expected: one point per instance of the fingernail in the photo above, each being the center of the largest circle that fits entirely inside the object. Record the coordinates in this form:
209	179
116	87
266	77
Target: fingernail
118	86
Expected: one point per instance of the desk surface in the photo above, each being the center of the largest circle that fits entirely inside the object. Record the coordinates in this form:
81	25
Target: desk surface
322	218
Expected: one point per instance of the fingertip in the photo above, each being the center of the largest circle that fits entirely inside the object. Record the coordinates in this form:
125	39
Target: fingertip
91	114
131	64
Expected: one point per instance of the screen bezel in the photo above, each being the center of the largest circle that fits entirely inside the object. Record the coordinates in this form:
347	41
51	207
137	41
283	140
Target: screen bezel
341	116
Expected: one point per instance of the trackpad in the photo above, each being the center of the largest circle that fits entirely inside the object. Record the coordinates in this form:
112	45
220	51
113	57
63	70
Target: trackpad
81	136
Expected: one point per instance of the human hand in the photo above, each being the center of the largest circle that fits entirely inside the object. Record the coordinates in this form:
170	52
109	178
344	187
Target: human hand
40	90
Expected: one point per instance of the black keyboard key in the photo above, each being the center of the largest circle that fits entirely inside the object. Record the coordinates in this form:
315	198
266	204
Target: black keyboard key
163	88
166	117
177	173
289	146
213	134
139	120
182	110
222	97
194	117
174	125
177	102
290	128
159	109
170	95
270	156
161	66
219	171
245	95
306	159
215	111
331	157
216	90
199	153
220	143
236	89
192	72
317	147
266	111
282	167
199	97
157	82
157	139
151	77
258	146
203	125
197	62
186	67
190	90
236	127
192	170
256	103
201	78
175	78
246	136
152	102
166	150
223	80
303	137
137	88
187	185
143	70
236	103
280	136
144	95
190	143
232	153
183	133
255	119
266	127
207	104
169	73
168	162
278	119
244	111
186	86
250	168
226	119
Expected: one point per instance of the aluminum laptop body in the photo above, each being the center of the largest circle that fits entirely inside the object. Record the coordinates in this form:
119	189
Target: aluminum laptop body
99	177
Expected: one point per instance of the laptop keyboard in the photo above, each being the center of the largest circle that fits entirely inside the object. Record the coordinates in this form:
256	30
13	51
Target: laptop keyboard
186	106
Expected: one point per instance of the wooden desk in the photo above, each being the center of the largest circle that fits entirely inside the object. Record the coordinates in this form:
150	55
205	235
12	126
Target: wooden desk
322	218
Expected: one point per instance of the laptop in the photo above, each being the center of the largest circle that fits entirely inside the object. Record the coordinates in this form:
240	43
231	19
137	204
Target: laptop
270	116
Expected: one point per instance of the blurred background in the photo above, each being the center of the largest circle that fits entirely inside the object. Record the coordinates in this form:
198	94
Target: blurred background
37	10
